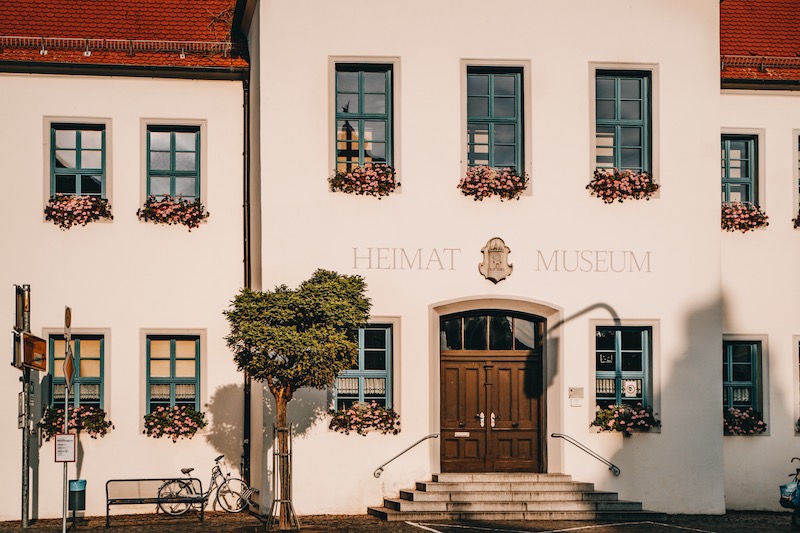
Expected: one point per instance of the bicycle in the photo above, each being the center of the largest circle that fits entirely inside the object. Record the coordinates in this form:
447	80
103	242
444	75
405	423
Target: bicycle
233	494
790	495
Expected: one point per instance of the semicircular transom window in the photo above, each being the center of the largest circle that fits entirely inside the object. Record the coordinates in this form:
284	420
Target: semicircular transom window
491	329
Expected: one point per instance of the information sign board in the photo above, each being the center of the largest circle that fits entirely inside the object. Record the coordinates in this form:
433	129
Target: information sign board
34	352
65	448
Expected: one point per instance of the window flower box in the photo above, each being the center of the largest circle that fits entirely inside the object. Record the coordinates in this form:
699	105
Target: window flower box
178	422
742	422
482	182
625	419
370	180
744	217
89	420
364	417
173	210
796	221
66	211
614	185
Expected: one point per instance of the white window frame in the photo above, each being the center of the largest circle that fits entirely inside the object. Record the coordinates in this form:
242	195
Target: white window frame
396	113
654	364
655	106
527	104
764	388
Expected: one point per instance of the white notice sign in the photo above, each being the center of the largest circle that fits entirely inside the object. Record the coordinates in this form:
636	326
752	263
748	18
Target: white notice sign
65	448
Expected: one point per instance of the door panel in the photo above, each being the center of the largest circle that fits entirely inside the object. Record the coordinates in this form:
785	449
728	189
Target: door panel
515	435
463	438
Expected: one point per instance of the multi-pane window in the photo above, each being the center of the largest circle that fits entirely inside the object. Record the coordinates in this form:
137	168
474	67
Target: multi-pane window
173	371
77	159
622	365
494	117
741	371
490	330
363	115
623	114
371	378
87	382
739	175
173	161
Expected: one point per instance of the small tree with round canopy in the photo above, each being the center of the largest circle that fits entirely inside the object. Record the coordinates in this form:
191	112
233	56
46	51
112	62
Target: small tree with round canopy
296	338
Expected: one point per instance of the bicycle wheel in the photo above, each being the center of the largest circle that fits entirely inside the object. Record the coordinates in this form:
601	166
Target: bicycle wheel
231	495
174	489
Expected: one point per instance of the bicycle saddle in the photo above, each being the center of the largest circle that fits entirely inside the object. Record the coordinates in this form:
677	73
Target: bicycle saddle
187	471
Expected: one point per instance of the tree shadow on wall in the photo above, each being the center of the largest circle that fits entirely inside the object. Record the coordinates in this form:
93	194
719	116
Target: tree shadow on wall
306	407
226	426
224	432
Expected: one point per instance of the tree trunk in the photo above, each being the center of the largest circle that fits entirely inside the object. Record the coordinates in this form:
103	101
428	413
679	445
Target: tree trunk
286	511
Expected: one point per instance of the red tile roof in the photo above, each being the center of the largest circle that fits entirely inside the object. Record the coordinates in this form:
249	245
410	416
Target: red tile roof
120	33
760	40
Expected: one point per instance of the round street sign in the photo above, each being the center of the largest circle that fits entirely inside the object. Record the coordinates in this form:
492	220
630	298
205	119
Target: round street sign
67	317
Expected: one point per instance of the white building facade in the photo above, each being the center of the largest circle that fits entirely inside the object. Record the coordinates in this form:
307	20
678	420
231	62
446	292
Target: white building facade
146	299
596	290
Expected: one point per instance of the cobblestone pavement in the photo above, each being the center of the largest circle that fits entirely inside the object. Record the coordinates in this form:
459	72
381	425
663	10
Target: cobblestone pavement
733	522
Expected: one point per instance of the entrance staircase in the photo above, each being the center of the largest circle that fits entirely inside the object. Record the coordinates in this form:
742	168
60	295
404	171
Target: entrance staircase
509	497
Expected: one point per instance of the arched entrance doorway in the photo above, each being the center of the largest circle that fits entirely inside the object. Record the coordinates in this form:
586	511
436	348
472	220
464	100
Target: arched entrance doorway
491	390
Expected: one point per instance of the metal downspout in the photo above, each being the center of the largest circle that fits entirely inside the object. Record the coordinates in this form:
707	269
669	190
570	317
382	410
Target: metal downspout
248	275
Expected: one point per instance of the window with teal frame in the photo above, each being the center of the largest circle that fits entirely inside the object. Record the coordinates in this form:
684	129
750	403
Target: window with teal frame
622	365
87	382
173	161
363	115
173	371
78	160
739	168
623	120
494	117
741	374
371	379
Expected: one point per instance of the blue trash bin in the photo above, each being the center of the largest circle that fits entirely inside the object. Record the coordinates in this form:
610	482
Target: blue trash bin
77	494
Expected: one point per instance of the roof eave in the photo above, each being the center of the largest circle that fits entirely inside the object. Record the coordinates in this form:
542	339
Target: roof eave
773	85
192	73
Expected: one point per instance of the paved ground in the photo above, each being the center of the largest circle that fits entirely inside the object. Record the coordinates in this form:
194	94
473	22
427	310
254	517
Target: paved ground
217	522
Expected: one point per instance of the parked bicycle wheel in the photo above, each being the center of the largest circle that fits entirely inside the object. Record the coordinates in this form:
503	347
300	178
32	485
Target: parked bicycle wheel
174	489
231	495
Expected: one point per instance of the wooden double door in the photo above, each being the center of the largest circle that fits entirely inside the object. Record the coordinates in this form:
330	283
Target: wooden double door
492	408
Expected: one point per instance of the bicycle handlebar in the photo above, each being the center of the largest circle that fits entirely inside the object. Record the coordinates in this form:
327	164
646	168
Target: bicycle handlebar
221	456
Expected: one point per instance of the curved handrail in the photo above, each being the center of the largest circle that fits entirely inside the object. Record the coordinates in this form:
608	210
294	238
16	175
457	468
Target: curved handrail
379	470
611	466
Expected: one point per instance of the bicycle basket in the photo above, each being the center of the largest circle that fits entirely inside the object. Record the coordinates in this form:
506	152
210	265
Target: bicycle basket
790	495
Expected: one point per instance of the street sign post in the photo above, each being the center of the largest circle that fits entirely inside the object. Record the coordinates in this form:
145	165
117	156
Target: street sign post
69	373
22	326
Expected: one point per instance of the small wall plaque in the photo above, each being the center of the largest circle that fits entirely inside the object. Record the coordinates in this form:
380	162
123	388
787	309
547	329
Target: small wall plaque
495	266
462	434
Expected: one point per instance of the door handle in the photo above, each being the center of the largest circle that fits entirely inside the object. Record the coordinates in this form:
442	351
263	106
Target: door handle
482	417
493	418
462	424
514	424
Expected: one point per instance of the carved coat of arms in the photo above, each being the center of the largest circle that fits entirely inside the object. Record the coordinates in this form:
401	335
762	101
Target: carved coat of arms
495	266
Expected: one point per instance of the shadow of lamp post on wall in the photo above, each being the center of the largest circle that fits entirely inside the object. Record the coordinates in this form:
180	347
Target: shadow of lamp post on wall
291	339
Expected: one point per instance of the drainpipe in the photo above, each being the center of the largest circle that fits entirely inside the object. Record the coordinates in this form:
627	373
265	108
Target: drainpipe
248	274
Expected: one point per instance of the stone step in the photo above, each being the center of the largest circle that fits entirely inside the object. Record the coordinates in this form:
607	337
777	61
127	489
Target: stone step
498	477
507	486
540	495
384	513
510	506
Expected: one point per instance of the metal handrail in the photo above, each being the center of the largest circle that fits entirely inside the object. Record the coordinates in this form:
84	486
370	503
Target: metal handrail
379	470
611	466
